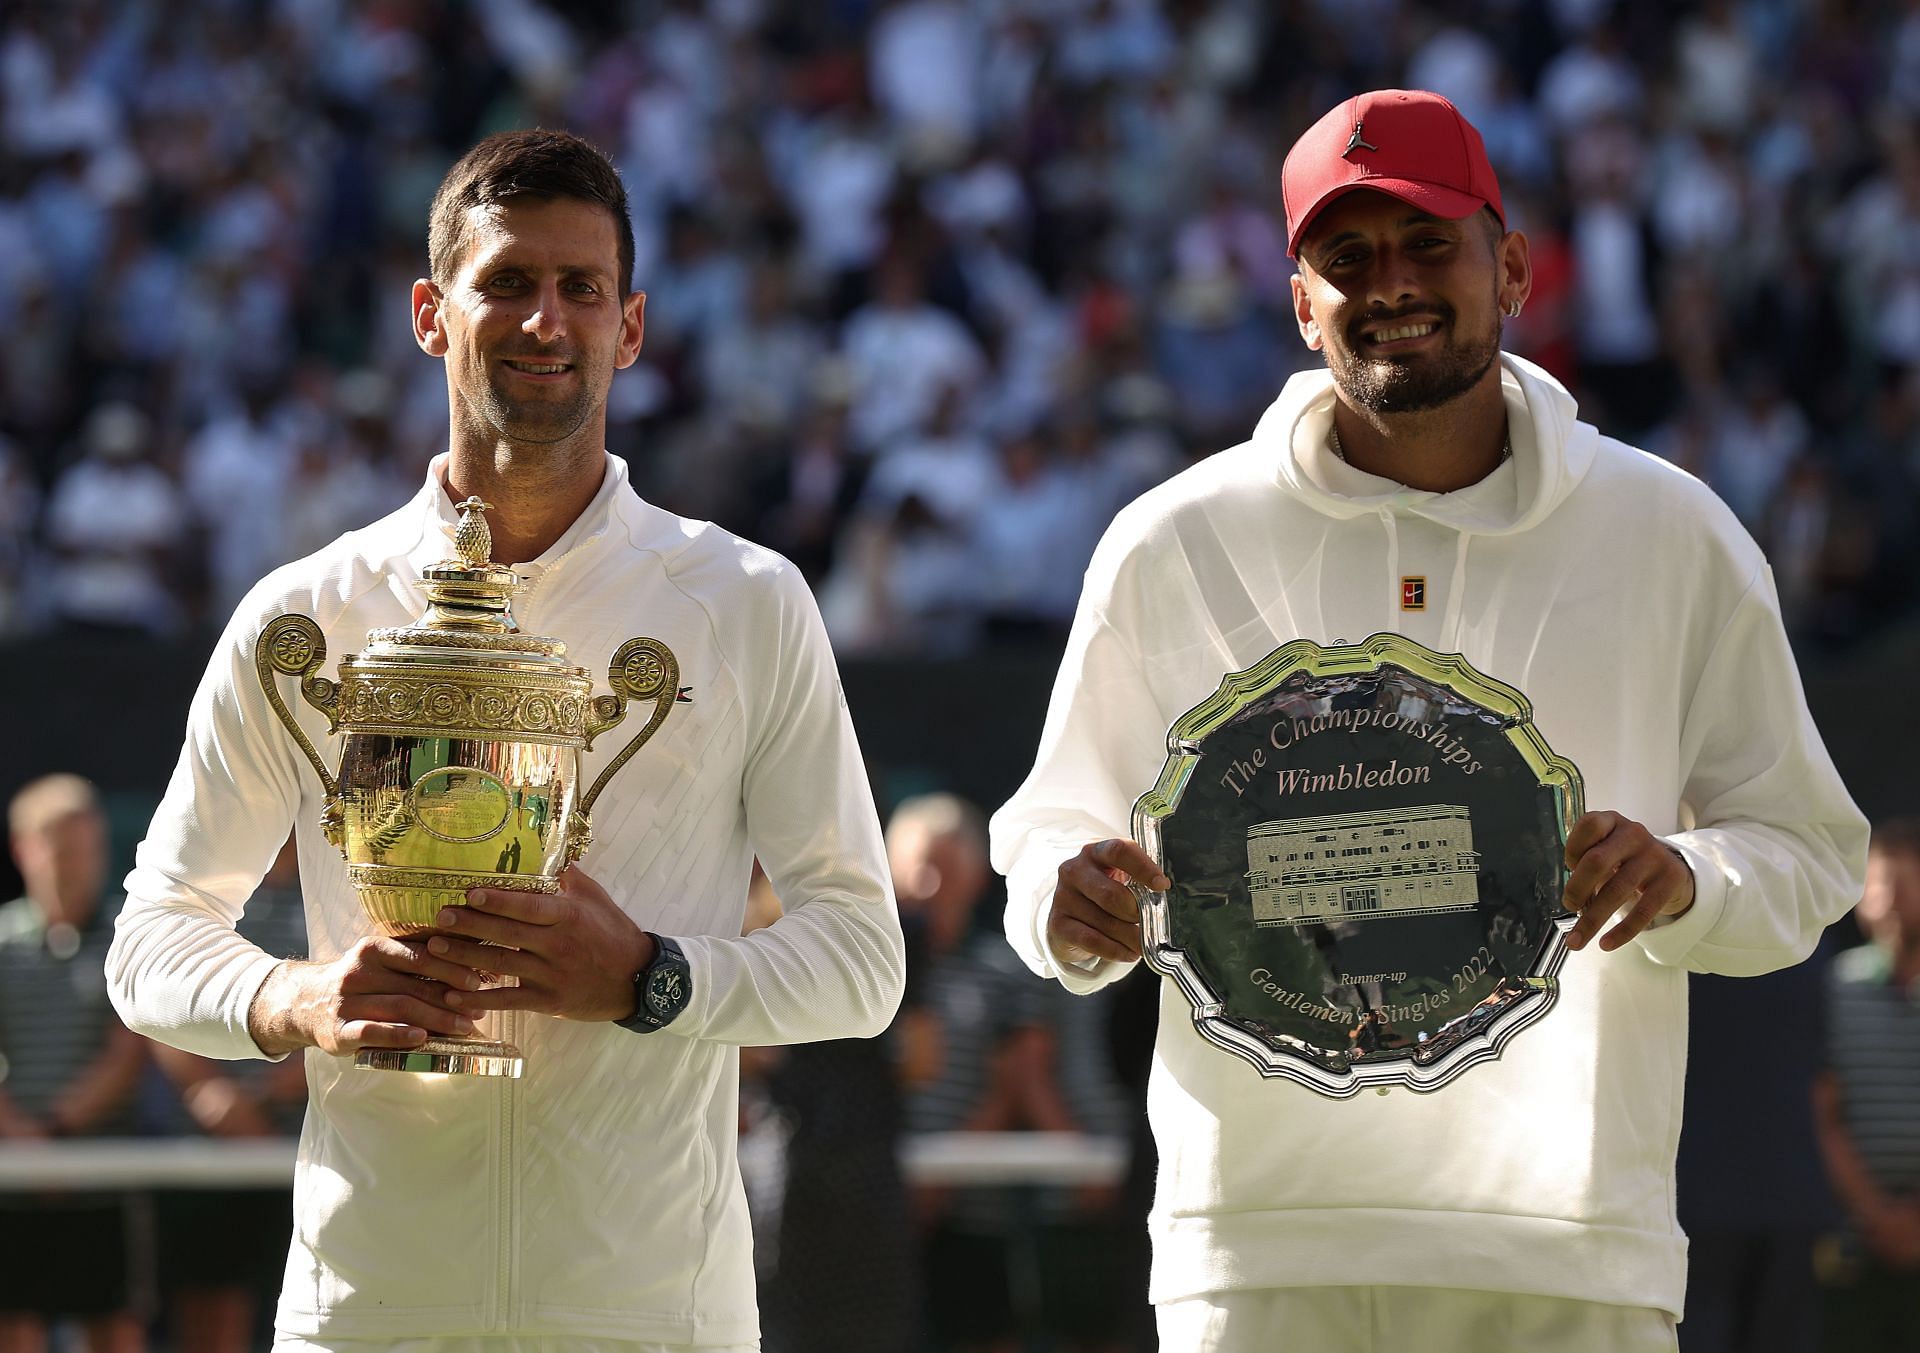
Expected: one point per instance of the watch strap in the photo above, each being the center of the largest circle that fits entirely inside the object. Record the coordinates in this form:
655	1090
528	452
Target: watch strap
661	990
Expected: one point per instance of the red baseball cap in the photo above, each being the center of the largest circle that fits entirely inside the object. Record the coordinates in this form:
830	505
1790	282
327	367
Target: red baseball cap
1409	143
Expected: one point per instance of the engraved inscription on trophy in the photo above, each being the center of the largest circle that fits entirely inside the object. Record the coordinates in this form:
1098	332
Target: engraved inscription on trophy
1366	847
460	759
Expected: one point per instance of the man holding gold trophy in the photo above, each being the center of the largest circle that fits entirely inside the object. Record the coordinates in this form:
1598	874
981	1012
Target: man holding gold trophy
523	1069
1321	749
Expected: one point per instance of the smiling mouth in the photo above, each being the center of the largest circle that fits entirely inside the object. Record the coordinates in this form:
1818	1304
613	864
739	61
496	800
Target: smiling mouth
1400	333
537	368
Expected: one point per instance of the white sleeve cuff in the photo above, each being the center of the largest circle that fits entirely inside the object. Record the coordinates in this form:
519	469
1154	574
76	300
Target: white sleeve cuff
1083	976
1670	938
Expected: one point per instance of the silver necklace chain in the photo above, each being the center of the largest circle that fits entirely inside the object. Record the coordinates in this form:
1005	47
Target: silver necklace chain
1333	444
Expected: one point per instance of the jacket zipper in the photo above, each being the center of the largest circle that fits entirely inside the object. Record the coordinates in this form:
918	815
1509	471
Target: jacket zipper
506	1298
529	584
503	1294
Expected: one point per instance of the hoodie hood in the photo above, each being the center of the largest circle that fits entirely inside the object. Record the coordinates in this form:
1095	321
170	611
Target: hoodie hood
1552	451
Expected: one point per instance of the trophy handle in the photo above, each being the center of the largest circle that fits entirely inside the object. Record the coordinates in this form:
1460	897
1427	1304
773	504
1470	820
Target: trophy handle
293	646
642	669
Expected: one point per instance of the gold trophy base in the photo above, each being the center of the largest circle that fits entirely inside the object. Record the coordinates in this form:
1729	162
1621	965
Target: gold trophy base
447	1057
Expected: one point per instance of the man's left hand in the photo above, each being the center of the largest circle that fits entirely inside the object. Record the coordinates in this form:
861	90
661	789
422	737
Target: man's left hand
1618	864
574	952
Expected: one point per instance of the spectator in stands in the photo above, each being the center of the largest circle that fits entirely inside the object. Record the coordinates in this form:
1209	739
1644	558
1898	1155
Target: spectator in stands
838	167
1088	1293
1000	1263
803	500
834	1244
905	353
341	470
1760	437
1026	558
1868	1105
1218	351
992	1040
1233	237
220	1252
946	463
925	57
68	1068
702	286
236	475
758	363
116	525
985	1048
1749	1116
909	580
1881	263
1617	270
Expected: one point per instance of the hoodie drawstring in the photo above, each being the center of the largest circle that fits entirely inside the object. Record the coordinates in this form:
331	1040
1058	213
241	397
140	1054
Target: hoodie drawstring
1393	569
1456	589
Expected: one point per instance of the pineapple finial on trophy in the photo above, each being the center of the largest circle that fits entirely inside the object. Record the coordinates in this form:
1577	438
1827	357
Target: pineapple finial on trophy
472	538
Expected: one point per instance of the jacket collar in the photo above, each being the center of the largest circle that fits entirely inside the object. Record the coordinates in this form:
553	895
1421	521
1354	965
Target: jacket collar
434	508
1552	451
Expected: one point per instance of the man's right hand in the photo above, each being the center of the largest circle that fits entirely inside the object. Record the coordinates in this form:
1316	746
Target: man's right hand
381	993
1094	912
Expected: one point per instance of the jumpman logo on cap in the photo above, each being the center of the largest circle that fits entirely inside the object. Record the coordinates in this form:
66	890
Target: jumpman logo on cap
1356	142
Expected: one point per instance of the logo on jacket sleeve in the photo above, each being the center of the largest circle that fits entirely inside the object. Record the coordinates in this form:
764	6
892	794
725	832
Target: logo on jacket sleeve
1413	592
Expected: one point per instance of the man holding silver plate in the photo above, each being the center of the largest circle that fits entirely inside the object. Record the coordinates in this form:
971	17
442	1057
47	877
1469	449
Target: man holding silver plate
563	1176
1323	749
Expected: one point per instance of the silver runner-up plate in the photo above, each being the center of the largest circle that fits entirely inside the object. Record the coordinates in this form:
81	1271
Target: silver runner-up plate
1365	846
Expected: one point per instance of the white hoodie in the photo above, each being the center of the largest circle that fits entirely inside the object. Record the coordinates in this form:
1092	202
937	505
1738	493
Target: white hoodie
1626	602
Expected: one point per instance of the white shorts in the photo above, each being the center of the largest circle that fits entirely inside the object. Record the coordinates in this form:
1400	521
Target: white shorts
1393	1319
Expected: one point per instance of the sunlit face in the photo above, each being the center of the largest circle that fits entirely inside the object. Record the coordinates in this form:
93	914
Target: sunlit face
65	860
532	325
1405	306
941	876
1889	910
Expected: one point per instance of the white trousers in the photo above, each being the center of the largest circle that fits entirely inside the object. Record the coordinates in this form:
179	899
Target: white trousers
1395	1319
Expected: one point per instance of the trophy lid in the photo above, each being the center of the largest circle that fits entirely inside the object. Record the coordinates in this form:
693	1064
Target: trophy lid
470	605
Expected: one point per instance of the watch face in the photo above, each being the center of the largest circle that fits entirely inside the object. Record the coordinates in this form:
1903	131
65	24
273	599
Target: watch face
666	990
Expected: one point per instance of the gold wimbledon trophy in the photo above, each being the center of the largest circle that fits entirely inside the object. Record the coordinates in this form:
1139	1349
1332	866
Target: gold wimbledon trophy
461	763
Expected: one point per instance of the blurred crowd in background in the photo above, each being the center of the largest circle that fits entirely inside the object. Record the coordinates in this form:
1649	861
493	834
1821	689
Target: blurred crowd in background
934	285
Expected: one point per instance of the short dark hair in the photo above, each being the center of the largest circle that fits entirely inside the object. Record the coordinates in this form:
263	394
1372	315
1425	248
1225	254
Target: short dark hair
538	163
47	800
1492	227
1897	836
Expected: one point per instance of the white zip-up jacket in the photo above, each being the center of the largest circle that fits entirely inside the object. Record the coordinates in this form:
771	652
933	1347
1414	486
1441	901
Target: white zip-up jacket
1625	601
599	1195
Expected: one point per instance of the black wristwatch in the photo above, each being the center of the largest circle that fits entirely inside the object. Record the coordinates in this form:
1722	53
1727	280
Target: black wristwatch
661	990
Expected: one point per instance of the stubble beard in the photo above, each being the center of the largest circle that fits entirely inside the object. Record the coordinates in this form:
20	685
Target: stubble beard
1389	385
535	422
530	421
